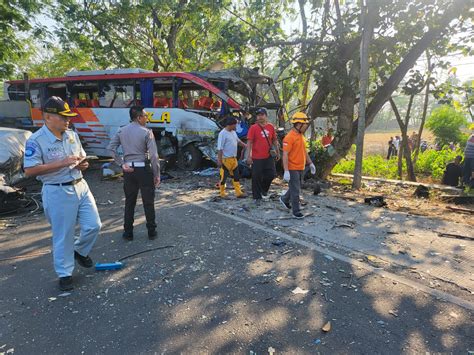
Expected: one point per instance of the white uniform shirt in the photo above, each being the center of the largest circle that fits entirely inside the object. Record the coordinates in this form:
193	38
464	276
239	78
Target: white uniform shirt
227	142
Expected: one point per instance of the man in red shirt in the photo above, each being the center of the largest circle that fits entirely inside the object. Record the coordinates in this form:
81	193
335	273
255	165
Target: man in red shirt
327	139
262	139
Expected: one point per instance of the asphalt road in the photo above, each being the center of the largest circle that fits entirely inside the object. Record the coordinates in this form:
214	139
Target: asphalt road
219	287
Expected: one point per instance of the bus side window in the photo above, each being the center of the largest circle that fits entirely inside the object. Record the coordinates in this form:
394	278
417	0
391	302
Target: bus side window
57	89
84	94
163	93
35	95
16	92
116	93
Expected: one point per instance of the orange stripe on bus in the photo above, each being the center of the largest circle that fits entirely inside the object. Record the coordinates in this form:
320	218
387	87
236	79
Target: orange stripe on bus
87	114
36	114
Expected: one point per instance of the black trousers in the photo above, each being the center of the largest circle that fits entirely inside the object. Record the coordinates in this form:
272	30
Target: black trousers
140	179
263	173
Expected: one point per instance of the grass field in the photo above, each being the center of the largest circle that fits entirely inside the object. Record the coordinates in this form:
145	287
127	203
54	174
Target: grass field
377	142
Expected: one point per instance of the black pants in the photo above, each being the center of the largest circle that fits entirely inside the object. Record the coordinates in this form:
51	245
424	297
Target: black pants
263	173
140	179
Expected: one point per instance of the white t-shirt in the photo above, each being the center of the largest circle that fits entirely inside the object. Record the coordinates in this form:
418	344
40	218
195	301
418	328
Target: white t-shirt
227	142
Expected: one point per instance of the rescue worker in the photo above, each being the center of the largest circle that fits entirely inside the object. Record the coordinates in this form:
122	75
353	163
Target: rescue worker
141	169
263	150
295	158
54	154
227	143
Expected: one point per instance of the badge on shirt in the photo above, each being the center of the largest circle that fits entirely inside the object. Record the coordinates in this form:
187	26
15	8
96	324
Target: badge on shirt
30	149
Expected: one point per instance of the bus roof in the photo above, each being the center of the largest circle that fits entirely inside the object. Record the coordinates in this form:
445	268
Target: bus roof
113	75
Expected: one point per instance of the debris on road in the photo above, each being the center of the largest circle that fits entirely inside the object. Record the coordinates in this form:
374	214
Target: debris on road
327	327
207	172
456	236
375	201
299	291
393	313
422	191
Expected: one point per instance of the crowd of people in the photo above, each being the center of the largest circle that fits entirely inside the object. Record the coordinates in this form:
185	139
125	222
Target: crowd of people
55	156
458	173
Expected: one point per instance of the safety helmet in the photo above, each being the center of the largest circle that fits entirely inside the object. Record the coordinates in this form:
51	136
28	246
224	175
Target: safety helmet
299	117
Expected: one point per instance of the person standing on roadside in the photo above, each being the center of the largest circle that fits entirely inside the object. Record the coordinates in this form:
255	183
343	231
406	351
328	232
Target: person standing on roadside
227	144
295	159
263	150
390	148
54	155
141	169
468	170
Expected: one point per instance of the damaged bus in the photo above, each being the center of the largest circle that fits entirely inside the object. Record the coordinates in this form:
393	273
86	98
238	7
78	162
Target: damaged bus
184	108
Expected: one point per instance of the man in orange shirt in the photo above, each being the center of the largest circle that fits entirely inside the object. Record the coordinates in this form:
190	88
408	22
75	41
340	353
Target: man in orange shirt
295	158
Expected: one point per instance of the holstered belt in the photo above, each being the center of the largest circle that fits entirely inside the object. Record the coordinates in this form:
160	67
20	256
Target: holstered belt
136	164
73	182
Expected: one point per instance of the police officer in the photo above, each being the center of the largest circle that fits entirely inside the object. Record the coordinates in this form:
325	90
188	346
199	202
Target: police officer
54	154
141	169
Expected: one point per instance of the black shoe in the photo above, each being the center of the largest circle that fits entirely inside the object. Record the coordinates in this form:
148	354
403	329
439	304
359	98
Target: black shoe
127	236
65	283
84	261
285	204
298	215
152	234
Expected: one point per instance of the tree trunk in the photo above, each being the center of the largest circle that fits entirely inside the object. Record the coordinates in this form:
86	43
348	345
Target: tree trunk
363	82
425	108
400	162
404	147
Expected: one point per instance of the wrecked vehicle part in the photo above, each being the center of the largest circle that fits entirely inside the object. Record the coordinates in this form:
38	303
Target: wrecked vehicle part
12	149
12	200
184	109
253	90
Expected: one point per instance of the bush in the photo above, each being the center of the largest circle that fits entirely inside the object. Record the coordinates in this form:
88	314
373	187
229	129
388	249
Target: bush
445	123
433	163
372	165
430	163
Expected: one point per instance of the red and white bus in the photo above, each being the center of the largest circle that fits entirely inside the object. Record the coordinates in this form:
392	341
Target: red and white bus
184	108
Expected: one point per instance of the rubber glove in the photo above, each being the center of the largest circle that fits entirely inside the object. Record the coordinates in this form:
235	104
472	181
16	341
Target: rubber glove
286	175
312	168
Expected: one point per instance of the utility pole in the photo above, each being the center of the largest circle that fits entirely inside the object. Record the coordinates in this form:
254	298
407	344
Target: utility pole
367	30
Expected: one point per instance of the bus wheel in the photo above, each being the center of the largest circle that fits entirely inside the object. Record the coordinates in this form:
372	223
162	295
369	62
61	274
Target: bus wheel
189	158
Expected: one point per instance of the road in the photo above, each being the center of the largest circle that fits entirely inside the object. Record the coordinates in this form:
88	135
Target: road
221	285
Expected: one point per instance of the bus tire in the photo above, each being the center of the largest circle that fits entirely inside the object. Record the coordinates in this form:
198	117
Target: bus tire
189	158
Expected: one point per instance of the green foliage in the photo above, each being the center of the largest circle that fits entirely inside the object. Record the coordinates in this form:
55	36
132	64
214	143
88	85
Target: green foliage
433	163
373	165
15	21
318	154
445	123
430	163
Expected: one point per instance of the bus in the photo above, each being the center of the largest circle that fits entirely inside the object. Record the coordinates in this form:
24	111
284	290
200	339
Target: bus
185	108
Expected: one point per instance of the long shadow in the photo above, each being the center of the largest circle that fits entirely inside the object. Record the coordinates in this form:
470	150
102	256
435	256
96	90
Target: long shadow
223	288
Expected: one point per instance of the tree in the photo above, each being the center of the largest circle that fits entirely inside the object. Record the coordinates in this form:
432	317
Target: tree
403	31
445	123
168	35
15	21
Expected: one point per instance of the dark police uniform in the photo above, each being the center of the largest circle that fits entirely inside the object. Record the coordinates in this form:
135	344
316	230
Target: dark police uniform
140	153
